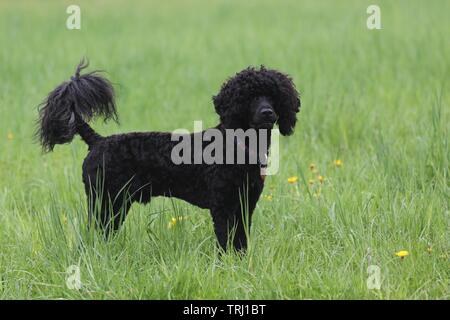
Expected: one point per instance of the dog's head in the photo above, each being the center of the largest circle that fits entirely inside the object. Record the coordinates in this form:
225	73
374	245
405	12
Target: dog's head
258	99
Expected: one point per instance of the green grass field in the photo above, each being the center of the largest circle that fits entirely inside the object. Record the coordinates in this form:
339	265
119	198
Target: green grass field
378	100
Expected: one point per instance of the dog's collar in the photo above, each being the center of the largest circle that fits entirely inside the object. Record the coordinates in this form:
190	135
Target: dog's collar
263	168
262	165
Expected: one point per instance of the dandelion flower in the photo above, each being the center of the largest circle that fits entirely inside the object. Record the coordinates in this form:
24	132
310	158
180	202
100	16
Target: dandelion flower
321	178
402	253
172	223
293	179
313	167
338	163
10	135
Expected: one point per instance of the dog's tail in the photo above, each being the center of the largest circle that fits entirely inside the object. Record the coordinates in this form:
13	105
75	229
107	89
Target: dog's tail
67	109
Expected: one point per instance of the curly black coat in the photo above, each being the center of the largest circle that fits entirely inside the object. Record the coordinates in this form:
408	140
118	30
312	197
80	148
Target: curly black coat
121	169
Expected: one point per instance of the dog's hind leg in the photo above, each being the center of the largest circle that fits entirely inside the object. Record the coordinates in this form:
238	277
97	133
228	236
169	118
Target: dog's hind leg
108	213
231	225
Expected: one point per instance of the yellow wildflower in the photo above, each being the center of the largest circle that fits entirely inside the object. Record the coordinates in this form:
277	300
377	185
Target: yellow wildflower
174	221
10	135
268	197
293	179
320	178
402	253
313	167
338	163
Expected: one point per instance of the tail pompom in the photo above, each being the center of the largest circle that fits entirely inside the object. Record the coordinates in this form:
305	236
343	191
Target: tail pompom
72	104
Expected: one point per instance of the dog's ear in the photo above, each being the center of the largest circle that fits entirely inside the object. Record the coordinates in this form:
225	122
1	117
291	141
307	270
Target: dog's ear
288	102
230	102
218	104
223	104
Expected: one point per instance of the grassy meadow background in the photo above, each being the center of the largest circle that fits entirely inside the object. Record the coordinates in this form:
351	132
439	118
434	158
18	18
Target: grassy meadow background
376	100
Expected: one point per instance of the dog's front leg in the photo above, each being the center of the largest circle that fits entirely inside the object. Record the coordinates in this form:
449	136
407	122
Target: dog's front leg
231	226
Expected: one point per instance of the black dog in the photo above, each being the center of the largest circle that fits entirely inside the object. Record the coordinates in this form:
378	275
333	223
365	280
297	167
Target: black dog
125	168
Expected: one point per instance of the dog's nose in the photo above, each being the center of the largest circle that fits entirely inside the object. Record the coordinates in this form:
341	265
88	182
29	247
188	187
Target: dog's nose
267	112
